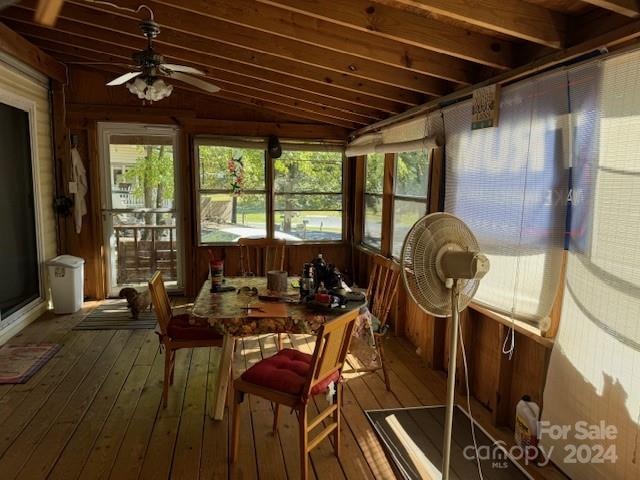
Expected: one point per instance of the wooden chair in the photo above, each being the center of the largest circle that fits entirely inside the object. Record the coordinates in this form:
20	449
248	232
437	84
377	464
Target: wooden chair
381	292
259	255
291	378
176	332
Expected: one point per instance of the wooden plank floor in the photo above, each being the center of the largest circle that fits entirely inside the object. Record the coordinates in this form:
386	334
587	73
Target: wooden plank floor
94	411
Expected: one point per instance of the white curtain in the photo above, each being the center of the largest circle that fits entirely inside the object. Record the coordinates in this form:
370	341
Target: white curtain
509	184
594	373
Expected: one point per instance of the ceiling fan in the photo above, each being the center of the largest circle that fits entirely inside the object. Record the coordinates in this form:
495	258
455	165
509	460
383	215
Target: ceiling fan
147	79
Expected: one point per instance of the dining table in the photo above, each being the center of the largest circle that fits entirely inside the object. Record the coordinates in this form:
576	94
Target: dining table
250	309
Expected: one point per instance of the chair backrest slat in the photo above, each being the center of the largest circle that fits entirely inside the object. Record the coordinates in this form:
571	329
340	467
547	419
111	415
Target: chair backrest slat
383	287
332	345
160	300
259	255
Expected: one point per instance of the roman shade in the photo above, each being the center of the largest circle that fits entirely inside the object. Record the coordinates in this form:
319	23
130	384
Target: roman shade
593	373
420	133
509	184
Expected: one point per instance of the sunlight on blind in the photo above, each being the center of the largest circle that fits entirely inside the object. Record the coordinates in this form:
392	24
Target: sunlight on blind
594	373
509	184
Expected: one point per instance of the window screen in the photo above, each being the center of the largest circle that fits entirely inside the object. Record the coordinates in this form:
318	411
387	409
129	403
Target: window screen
232	193
593	373
373	190
509	184
411	183
307	189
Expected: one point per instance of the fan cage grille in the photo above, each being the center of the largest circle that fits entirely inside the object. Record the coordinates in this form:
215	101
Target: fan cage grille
427	239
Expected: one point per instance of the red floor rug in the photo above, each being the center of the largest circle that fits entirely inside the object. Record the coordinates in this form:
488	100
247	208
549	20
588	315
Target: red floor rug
18	363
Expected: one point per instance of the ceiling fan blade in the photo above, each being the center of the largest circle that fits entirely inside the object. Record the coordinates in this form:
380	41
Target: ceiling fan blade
123	78
196	82
47	12
181	68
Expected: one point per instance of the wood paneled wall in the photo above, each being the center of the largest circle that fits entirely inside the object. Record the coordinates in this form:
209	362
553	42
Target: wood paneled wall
88	102
497	382
494	380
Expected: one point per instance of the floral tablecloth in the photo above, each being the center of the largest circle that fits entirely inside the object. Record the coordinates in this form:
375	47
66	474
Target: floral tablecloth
226	311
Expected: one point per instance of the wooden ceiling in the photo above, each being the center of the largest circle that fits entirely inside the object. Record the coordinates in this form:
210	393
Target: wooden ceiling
341	62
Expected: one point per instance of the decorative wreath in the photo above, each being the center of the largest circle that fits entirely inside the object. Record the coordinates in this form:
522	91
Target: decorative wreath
236	172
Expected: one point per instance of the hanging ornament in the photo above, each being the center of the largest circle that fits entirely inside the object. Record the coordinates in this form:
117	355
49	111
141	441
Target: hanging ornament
236	173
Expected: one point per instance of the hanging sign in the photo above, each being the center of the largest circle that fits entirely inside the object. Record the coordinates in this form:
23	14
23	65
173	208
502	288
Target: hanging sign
485	107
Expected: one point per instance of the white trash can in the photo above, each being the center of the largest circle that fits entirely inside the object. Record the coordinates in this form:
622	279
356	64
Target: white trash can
66	279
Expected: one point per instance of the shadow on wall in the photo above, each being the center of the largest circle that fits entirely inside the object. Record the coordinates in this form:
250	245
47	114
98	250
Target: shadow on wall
588	447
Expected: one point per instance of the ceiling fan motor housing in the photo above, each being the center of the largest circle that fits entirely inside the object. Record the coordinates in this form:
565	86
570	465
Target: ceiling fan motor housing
150	29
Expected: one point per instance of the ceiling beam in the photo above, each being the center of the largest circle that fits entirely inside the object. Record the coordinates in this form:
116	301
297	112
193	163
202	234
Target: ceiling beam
78	114
233	58
174	18
366	97
126	44
94	53
515	18
314	31
615	37
235	97
13	44
404	27
628	8
47	12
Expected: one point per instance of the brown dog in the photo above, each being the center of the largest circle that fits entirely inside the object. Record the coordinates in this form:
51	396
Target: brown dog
136	301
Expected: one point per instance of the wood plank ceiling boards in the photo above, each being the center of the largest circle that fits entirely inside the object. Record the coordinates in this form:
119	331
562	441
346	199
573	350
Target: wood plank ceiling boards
347	63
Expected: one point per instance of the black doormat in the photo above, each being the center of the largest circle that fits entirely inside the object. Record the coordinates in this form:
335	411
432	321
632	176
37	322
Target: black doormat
114	315
412	437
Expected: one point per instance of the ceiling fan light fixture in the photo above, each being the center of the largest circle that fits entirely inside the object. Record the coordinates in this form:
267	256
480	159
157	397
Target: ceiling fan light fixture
150	89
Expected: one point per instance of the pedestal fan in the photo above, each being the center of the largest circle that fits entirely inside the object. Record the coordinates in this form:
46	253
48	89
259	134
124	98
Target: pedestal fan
441	270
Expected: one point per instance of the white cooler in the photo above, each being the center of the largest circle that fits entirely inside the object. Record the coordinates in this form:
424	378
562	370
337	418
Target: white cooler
66	279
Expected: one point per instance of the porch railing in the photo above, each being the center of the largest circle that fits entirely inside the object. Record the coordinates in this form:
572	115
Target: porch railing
143	249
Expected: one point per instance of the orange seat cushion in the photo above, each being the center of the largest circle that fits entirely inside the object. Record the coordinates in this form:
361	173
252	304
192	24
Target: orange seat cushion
179	329
287	371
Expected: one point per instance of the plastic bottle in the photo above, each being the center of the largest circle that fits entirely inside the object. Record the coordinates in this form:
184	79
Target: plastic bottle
526	426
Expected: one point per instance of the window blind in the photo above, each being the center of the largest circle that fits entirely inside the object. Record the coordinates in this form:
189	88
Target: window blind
509	184
595	363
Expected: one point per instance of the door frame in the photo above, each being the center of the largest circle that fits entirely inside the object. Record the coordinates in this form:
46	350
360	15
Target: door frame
29	107
105	130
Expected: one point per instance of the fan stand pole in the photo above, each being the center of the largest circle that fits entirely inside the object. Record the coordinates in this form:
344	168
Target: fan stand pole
451	381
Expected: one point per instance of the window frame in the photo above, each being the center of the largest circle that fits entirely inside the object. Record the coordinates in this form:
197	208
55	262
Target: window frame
381	196
389	198
260	144
198	191
407	198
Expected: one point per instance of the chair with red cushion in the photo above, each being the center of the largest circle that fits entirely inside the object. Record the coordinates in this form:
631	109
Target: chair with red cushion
292	378
176	332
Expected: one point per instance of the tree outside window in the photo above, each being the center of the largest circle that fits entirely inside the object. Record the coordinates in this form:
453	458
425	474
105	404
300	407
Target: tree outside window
373	190
411	183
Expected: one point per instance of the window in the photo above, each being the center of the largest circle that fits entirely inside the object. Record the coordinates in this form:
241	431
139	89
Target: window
373	190
308	201
238	197
232	193
411	180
